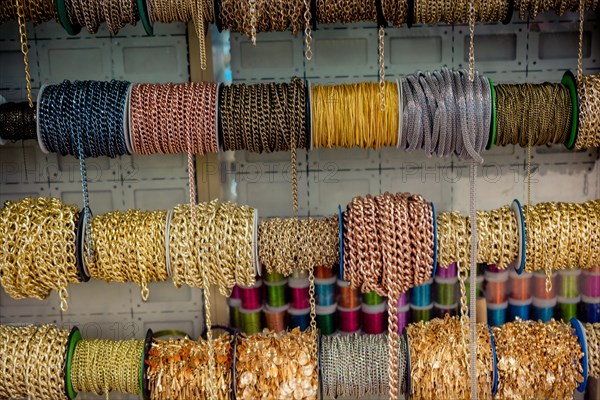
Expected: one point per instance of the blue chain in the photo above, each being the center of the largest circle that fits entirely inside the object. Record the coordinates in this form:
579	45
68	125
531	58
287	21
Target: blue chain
84	119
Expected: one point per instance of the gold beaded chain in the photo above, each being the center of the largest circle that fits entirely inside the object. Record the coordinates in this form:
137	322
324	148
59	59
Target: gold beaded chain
24	47
101	366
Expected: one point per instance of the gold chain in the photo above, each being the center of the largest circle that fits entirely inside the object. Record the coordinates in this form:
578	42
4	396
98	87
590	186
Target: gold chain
24	48
382	68
252	14
307	31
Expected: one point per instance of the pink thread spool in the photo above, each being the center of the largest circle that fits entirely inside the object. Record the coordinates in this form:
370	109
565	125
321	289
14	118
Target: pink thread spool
299	296
349	319
403	317
591	284
520	285
251	296
447	273
496	285
539	286
235	293
374	318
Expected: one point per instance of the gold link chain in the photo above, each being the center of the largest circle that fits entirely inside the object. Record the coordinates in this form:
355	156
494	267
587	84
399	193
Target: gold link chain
24	47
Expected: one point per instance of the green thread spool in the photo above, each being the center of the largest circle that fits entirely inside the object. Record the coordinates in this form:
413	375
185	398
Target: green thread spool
235	320
567	283
274	277
420	313
567	308
446	291
276	296
372	298
327	319
251	320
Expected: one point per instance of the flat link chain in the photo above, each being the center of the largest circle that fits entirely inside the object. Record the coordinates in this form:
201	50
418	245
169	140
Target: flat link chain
381	34
308	53
24	47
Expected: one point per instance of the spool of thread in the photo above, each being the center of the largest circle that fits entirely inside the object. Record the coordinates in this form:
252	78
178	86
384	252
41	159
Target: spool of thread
299	318
590	284
235	292
493	269
566	308
251	296
274	276
418	313
372	298
496	313
445	291
421	295
495	289
590	309
594	270
519	309
299	274
235	319
447	273
520	285
441	310
403	317
251	320
349	319
543	309
478	288
326	319
481	310
403	300
374	318
568	283
323	272
539	286
299	296
325	291
276	293
276	318
347	296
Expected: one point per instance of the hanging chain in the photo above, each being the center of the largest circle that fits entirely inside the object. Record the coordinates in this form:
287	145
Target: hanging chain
24	47
382	68
307	31
580	52
252	4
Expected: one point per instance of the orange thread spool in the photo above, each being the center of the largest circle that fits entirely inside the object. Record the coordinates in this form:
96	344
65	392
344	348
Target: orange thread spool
520	285
348	297
539	286
495	292
276	318
323	272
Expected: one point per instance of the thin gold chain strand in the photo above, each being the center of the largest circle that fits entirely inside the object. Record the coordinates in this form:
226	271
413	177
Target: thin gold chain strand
24	48
103	366
36	11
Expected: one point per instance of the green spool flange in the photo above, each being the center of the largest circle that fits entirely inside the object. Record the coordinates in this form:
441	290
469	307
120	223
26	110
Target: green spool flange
143	10
568	80
74	338
493	125
63	18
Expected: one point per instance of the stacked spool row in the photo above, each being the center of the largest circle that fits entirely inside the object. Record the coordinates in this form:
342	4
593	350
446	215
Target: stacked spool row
571	294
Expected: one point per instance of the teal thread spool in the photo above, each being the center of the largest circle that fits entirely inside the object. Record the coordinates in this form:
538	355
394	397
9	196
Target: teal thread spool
327	319
496	313
567	308
371	298
299	318
325	291
235	320
276	293
421	295
568	283
251	320
446	292
543	309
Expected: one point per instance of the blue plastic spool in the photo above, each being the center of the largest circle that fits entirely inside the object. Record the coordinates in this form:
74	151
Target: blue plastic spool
421	295
298	320
435	240
495	359
580	333
341	220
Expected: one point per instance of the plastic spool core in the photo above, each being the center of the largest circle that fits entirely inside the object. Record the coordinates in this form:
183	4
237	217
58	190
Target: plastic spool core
493	125
569	81
435	240
495	360
341	223
63	18
400	111
580	333
167	242
79	247
127	120
146	16
74	338
37	121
